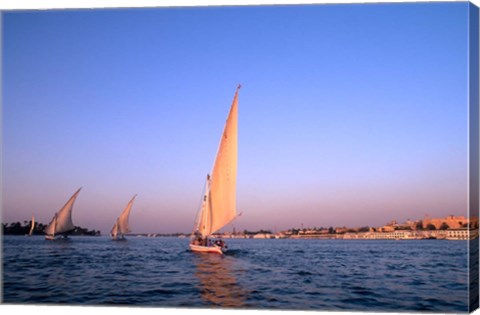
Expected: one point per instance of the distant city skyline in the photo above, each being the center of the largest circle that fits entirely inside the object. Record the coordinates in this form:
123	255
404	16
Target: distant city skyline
452	221
349	114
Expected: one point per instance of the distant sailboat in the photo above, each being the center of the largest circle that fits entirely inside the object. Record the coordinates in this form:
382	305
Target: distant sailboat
32	227
219	201
121	226
61	223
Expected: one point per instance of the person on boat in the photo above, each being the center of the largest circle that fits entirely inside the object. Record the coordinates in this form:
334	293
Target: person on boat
197	241
220	243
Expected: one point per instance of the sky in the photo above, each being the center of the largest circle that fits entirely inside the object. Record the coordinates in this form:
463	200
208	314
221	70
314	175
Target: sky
349	114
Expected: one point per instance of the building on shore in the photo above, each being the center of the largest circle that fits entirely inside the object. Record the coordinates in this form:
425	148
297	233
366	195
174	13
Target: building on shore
263	235
451	222
461	234
448	228
451	234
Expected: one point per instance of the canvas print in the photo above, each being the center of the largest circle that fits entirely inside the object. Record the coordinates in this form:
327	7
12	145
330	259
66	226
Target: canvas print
319	157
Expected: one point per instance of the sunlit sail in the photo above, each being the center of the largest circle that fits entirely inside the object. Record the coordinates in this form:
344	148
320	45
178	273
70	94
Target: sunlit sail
32	227
121	226
219	201
61	223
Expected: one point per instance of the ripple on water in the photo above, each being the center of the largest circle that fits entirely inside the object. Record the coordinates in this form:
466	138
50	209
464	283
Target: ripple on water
260	274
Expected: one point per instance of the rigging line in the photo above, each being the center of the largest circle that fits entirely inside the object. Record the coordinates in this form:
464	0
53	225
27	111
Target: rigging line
199	207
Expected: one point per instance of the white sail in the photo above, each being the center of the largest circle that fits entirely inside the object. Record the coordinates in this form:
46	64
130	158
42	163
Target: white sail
219	206
62	220
32	227
204	223
122	226
114	231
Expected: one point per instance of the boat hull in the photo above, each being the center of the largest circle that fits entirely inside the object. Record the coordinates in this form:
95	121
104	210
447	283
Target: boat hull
206	249
56	237
119	239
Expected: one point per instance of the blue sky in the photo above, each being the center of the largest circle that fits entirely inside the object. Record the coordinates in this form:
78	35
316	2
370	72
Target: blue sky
349	114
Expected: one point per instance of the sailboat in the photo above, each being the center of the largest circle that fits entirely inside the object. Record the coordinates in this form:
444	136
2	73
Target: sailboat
219	200
61	223
32	227
121	226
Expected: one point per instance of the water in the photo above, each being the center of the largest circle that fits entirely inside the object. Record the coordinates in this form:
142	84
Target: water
353	275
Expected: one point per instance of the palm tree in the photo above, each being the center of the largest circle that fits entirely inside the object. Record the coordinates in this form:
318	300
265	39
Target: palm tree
419	225
430	226
444	226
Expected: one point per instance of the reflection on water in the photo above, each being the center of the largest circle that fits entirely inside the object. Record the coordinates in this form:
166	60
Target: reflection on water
337	275
218	285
